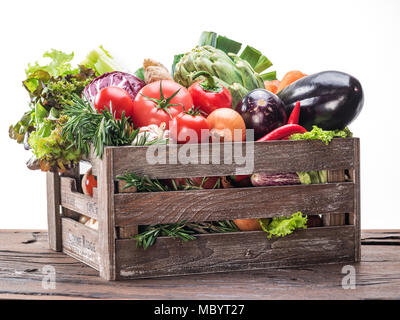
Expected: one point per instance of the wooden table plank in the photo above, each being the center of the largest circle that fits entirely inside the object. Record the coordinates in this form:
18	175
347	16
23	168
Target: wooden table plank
24	253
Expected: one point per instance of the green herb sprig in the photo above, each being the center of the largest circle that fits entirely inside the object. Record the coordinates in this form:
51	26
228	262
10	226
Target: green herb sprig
181	230
145	184
176	230
86	126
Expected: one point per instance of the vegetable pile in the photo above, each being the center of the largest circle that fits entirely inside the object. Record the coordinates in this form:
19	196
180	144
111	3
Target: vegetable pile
214	93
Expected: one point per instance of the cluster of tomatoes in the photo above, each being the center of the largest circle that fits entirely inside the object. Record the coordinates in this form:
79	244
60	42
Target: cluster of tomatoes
197	114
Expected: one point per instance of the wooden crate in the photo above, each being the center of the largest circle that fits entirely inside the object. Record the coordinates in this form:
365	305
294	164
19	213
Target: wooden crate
111	250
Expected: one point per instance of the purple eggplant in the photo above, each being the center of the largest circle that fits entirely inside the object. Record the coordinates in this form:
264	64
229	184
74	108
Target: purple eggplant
274	179
262	111
330	99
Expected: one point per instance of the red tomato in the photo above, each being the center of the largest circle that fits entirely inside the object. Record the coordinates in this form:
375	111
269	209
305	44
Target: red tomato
189	127
118	98
160	101
88	183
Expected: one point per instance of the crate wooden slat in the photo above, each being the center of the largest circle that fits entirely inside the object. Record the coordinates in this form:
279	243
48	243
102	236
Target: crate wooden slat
223	204
78	202
335	219
269	157
235	251
80	242
120	213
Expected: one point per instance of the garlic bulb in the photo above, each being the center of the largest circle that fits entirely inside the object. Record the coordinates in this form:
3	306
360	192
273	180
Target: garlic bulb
152	133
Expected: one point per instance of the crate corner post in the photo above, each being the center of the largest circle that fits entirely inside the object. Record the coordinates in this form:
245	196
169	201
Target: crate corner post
357	200
107	232
53	210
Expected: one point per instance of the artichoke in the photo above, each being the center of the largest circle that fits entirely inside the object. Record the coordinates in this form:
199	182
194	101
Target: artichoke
229	69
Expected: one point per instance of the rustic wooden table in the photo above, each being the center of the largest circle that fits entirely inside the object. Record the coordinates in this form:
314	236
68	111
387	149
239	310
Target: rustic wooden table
23	254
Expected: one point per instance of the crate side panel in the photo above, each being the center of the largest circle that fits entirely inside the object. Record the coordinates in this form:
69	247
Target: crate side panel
80	242
78	202
222	204
269	157
234	251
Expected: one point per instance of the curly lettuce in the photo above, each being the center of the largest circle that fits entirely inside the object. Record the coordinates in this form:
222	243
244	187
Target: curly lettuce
325	136
51	87
282	226
51	148
58	66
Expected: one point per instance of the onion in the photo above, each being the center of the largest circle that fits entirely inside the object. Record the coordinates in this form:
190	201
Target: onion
223	123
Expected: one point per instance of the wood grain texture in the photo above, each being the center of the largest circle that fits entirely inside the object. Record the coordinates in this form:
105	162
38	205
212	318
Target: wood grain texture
76	201
80	242
234	251
335	219
222	204
128	231
357	199
269	157
107	232
23	254
53	210
381	237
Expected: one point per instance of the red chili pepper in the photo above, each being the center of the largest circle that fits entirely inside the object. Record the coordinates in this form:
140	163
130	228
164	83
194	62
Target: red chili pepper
282	132
208	94
295	114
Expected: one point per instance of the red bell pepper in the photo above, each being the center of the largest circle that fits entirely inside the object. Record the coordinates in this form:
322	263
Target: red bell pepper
208	94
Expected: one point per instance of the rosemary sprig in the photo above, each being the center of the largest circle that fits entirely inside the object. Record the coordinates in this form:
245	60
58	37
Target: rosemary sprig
142	183
213	227
86	126
176	230
145	184
181	230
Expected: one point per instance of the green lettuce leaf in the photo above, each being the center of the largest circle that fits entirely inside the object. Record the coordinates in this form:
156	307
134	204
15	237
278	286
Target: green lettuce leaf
59	65
18	130
325	136
282	226
50	147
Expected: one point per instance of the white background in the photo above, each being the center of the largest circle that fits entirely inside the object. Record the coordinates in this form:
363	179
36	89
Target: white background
357	37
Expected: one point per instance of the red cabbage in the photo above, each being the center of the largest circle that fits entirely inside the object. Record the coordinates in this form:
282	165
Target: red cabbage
126	81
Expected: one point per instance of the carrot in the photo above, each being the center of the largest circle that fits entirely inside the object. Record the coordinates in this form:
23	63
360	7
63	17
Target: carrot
289	78
272	85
